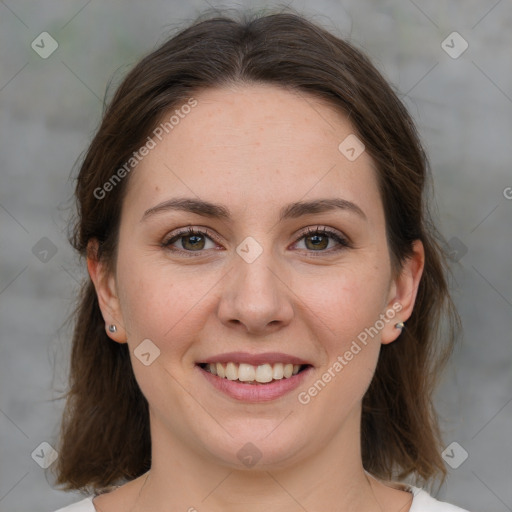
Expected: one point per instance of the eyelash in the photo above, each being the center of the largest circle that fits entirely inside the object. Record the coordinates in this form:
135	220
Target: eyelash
344	243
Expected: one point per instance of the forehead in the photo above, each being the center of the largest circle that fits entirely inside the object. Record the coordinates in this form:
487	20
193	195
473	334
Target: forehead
249	145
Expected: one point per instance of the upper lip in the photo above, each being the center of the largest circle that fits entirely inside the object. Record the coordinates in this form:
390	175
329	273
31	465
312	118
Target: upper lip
255	359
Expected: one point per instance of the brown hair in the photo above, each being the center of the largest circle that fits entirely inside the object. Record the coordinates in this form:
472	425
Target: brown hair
105	434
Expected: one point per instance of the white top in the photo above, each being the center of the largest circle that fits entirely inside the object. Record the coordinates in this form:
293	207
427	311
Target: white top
421	502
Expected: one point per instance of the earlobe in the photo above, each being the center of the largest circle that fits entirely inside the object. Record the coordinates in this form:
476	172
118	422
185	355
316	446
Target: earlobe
105	286
403	294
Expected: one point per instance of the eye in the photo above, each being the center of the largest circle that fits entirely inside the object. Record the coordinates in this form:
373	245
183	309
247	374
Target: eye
192	240
317	239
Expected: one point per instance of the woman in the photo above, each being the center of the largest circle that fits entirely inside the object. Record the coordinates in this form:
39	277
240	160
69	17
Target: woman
260	330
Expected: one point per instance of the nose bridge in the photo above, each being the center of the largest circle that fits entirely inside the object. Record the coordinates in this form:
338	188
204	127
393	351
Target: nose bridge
253	272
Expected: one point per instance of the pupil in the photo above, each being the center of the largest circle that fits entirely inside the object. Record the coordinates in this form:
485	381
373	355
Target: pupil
317	243
194	244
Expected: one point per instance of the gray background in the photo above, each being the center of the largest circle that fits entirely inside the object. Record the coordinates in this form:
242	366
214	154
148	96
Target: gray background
51	107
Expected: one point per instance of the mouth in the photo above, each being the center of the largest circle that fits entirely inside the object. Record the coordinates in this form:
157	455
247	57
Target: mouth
262	374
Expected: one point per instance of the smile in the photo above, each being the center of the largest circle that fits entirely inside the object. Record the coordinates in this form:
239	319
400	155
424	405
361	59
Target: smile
251	374
250	383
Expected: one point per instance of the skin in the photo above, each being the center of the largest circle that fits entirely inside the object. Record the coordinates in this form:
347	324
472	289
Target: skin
254	148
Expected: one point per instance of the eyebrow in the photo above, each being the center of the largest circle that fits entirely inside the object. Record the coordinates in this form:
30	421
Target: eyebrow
219	211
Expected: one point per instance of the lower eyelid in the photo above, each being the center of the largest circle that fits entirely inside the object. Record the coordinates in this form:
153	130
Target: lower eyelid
342	242
167	242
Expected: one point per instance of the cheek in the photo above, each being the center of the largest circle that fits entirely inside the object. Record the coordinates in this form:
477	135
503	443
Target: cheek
345	301
162	303
150	302
343	314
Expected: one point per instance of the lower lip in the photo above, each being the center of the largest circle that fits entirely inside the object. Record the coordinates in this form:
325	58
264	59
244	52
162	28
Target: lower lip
256	392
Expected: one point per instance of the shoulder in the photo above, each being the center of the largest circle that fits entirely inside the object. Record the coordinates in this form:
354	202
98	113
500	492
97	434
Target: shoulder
80	506
423	502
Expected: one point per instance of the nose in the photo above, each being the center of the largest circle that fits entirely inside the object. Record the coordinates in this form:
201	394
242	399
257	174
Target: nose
255	297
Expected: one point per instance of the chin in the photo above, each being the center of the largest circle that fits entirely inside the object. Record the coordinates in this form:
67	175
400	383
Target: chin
256	448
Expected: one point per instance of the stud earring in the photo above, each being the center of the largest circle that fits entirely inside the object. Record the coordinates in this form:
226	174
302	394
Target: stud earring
112	328
399	325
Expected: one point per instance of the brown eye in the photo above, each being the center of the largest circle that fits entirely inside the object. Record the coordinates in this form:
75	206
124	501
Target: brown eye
317	240
190	240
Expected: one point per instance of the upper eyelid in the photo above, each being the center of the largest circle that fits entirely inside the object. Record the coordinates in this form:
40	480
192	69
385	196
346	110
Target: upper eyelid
187	231
332	232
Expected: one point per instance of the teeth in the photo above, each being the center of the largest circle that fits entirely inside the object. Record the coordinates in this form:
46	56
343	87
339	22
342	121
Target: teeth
246	372
249	373
264	373
221	371
231	371
278	371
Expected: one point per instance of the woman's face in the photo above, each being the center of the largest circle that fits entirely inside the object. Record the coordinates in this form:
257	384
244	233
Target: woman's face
288	263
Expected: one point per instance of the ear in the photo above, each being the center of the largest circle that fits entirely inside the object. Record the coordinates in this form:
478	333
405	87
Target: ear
105	285
403	291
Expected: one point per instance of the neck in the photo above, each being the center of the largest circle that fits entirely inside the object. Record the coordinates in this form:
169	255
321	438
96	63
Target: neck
330	479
